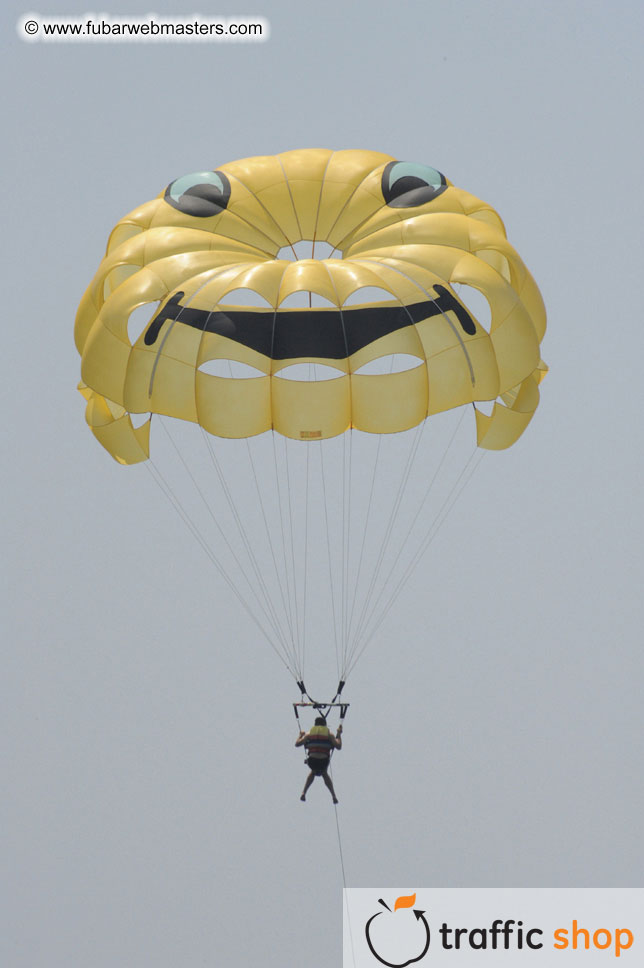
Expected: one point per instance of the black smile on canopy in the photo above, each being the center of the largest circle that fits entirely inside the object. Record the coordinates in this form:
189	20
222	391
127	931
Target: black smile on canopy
332	334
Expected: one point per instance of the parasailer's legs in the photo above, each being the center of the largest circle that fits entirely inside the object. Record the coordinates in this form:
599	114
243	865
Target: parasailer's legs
309	780
329	785
327	782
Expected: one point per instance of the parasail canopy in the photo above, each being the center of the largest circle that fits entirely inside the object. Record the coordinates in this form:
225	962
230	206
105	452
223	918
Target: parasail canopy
400	228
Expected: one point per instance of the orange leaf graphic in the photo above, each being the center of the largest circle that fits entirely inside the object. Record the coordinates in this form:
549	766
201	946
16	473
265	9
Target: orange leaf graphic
407	901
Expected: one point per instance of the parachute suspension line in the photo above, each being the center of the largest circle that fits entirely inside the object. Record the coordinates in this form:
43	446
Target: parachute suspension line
428	491
463	480
366	526
367	608
165	488
349	638
242	532
437	523
186	467
270	543
364	532
424	500
344	582
268	535
277	625
451	501
291	598
347	553
290	516
306	554
360	633
328	547
342	559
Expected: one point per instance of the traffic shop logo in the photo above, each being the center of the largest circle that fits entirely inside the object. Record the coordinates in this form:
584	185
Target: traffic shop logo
401	937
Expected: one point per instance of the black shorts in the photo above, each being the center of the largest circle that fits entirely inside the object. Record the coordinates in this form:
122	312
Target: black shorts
318	765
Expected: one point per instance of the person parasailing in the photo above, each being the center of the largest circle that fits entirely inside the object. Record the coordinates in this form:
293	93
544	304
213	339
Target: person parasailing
319	744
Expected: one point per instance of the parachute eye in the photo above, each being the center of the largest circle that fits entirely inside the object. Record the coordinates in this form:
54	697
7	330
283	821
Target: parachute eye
202	194
406	185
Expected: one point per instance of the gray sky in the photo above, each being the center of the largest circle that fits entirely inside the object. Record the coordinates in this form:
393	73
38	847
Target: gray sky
495	737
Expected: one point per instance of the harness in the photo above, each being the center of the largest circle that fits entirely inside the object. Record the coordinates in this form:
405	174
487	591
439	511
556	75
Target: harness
319	743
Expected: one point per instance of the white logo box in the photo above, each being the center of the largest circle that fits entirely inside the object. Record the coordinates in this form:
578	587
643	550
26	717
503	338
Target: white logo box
474	927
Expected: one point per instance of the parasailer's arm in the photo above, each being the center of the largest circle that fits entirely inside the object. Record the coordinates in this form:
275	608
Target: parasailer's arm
301	739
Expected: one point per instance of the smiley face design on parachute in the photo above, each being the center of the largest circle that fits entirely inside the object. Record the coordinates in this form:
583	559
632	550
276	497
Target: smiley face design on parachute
399	228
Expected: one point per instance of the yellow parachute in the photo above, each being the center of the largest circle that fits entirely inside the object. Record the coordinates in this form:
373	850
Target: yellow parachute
214	263
402	228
